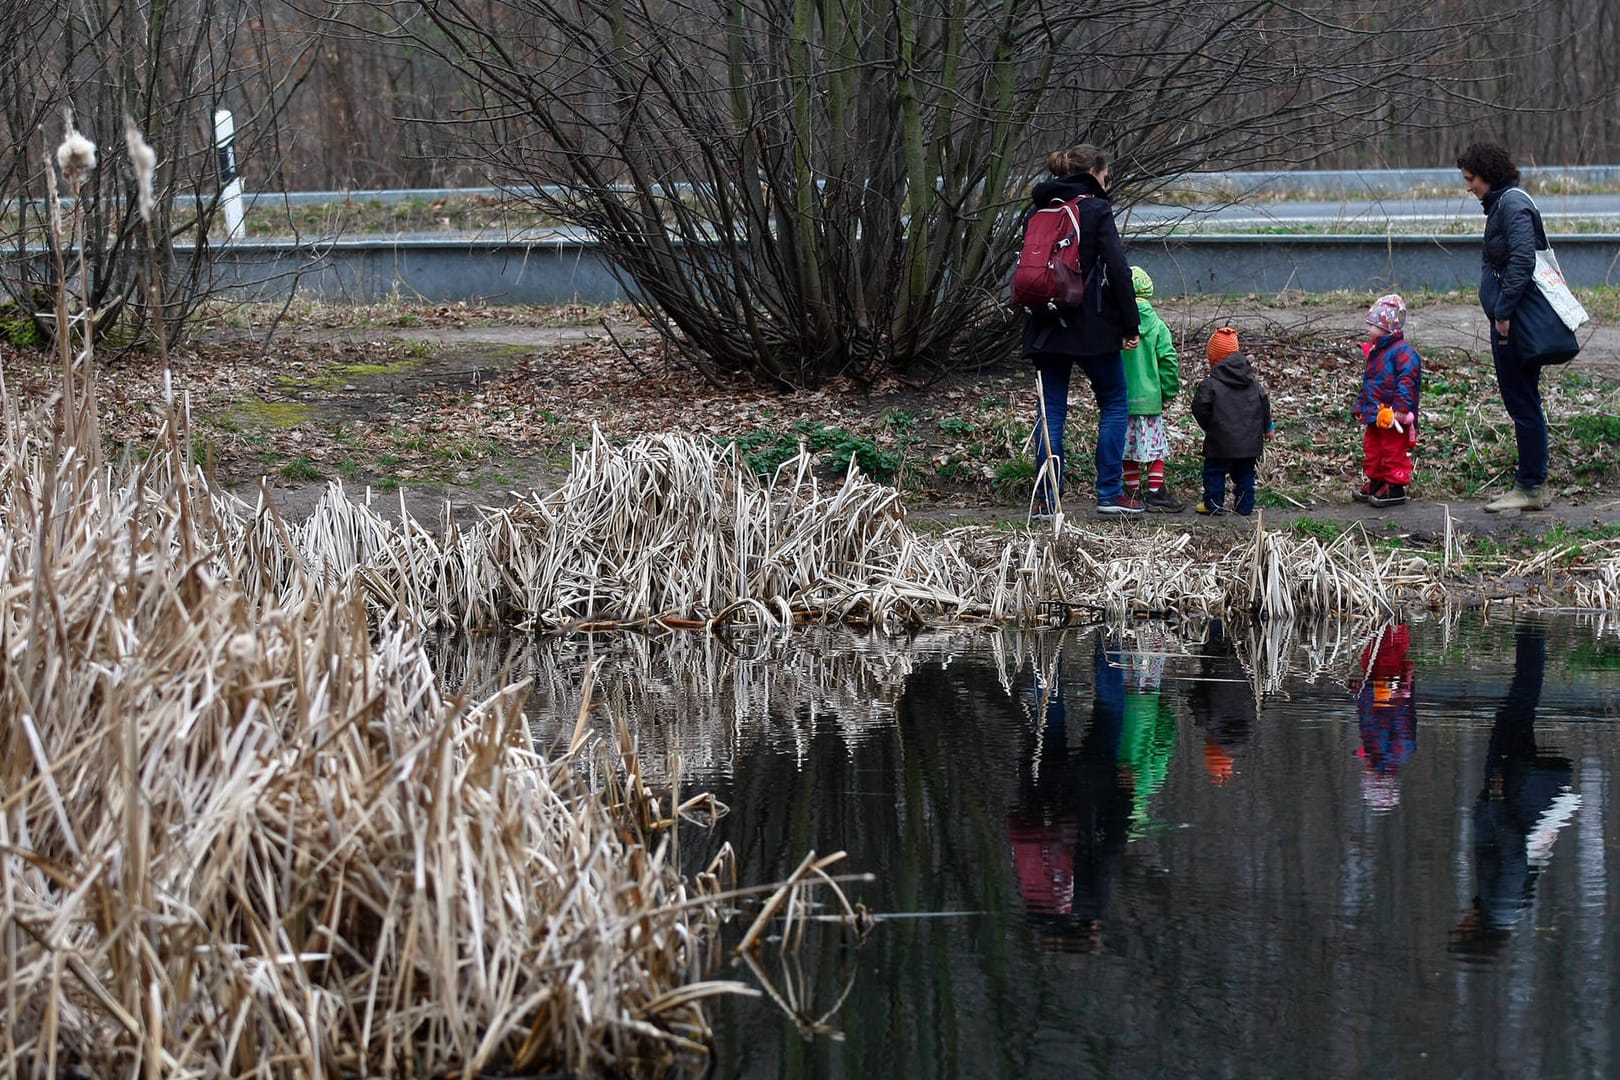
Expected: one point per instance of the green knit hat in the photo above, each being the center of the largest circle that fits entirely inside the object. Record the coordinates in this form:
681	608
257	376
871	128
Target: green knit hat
1141	283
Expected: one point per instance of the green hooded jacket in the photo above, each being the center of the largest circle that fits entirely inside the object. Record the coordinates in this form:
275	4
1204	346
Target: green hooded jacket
1152	369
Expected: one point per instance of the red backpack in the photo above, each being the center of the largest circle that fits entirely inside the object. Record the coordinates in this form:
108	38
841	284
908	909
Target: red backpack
1048	275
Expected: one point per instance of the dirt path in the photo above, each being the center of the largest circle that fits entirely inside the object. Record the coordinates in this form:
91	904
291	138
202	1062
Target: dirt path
1429	326
457	359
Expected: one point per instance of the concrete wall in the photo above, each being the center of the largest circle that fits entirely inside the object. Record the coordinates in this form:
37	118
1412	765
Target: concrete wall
566	269
560	270
1269	264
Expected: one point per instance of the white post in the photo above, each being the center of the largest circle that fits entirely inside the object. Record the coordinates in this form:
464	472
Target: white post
230	180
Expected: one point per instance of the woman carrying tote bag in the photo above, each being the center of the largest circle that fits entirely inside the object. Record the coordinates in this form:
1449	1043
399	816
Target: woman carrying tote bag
1526	333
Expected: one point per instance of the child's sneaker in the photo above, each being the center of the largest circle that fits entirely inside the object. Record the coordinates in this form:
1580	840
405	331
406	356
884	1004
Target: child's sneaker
1160	501
1120	504
1388	495
1365	493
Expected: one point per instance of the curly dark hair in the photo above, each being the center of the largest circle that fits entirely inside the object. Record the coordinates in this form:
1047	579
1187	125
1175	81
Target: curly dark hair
1491	162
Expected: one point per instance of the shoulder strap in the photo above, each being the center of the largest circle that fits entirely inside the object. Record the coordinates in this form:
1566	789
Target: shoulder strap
1542	244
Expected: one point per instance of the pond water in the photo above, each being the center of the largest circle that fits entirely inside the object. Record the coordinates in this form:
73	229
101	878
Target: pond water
1380	850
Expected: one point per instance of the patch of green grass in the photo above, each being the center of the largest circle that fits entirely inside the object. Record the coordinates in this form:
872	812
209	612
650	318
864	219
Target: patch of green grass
1268	498
899	421
956	427
1014	478
833	447
1593	428
1317	529
257	412
459	450
763	452
300	469
19	330
411	441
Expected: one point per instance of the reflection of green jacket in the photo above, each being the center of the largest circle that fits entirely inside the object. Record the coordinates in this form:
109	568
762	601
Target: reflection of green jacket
1152	369
1145	746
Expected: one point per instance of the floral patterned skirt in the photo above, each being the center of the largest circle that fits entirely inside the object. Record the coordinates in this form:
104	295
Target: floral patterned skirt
1145	439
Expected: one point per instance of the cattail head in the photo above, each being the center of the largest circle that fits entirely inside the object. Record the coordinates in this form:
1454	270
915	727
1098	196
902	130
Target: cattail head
75	157
143	159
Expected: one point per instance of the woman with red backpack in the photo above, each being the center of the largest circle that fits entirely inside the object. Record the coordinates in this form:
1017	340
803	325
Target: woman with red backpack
1090	336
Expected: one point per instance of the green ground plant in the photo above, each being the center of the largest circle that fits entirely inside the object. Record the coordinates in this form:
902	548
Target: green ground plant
301	469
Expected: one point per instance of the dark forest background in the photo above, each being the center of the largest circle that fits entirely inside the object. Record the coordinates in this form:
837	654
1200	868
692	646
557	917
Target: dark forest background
795	189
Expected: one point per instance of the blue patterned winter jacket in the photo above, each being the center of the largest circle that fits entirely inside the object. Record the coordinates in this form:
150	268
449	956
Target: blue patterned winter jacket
1394	377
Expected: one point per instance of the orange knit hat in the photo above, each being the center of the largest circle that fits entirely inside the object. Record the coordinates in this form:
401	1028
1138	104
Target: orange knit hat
1222	345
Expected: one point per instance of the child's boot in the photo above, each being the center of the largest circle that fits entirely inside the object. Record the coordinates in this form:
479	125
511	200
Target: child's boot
1388	495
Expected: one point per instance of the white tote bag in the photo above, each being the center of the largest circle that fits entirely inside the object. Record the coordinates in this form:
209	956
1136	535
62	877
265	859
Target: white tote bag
1549	278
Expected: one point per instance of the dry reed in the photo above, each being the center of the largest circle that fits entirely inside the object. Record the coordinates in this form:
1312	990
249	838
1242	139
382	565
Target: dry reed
671	532
251	837
244	832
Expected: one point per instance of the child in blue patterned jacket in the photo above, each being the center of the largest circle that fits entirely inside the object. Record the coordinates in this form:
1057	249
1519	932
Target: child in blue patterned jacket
1387	406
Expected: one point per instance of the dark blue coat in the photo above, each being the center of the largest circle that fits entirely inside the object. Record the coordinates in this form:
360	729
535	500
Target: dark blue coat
1108	315
1512	231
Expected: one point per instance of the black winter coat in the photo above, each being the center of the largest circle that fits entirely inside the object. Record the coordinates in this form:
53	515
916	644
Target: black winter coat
1108	315
1513	232
1233	409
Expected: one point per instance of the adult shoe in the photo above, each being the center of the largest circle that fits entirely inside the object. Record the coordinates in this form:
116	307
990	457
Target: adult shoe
1519	497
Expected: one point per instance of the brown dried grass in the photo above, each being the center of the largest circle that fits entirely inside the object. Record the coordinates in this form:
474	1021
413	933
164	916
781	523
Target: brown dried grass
243	832
246	835
670	532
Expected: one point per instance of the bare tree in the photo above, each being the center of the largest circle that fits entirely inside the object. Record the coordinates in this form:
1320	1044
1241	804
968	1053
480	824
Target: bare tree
797	189
165	67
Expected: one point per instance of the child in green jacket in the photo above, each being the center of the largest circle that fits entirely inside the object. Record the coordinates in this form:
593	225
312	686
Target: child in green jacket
1152	377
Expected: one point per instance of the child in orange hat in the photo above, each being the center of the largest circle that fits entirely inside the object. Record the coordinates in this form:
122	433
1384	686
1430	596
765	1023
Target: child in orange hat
1234	410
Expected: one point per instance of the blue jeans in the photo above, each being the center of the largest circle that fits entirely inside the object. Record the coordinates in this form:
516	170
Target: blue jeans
1106	373
1241	469
1520	384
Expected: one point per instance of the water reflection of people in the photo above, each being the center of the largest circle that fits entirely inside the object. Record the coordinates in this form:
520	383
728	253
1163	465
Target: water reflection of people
1386	709
1148	737
1524	801
1068	830
1221	700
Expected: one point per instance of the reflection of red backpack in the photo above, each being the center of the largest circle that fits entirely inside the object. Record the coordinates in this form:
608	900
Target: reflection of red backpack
1043	856
1048	274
